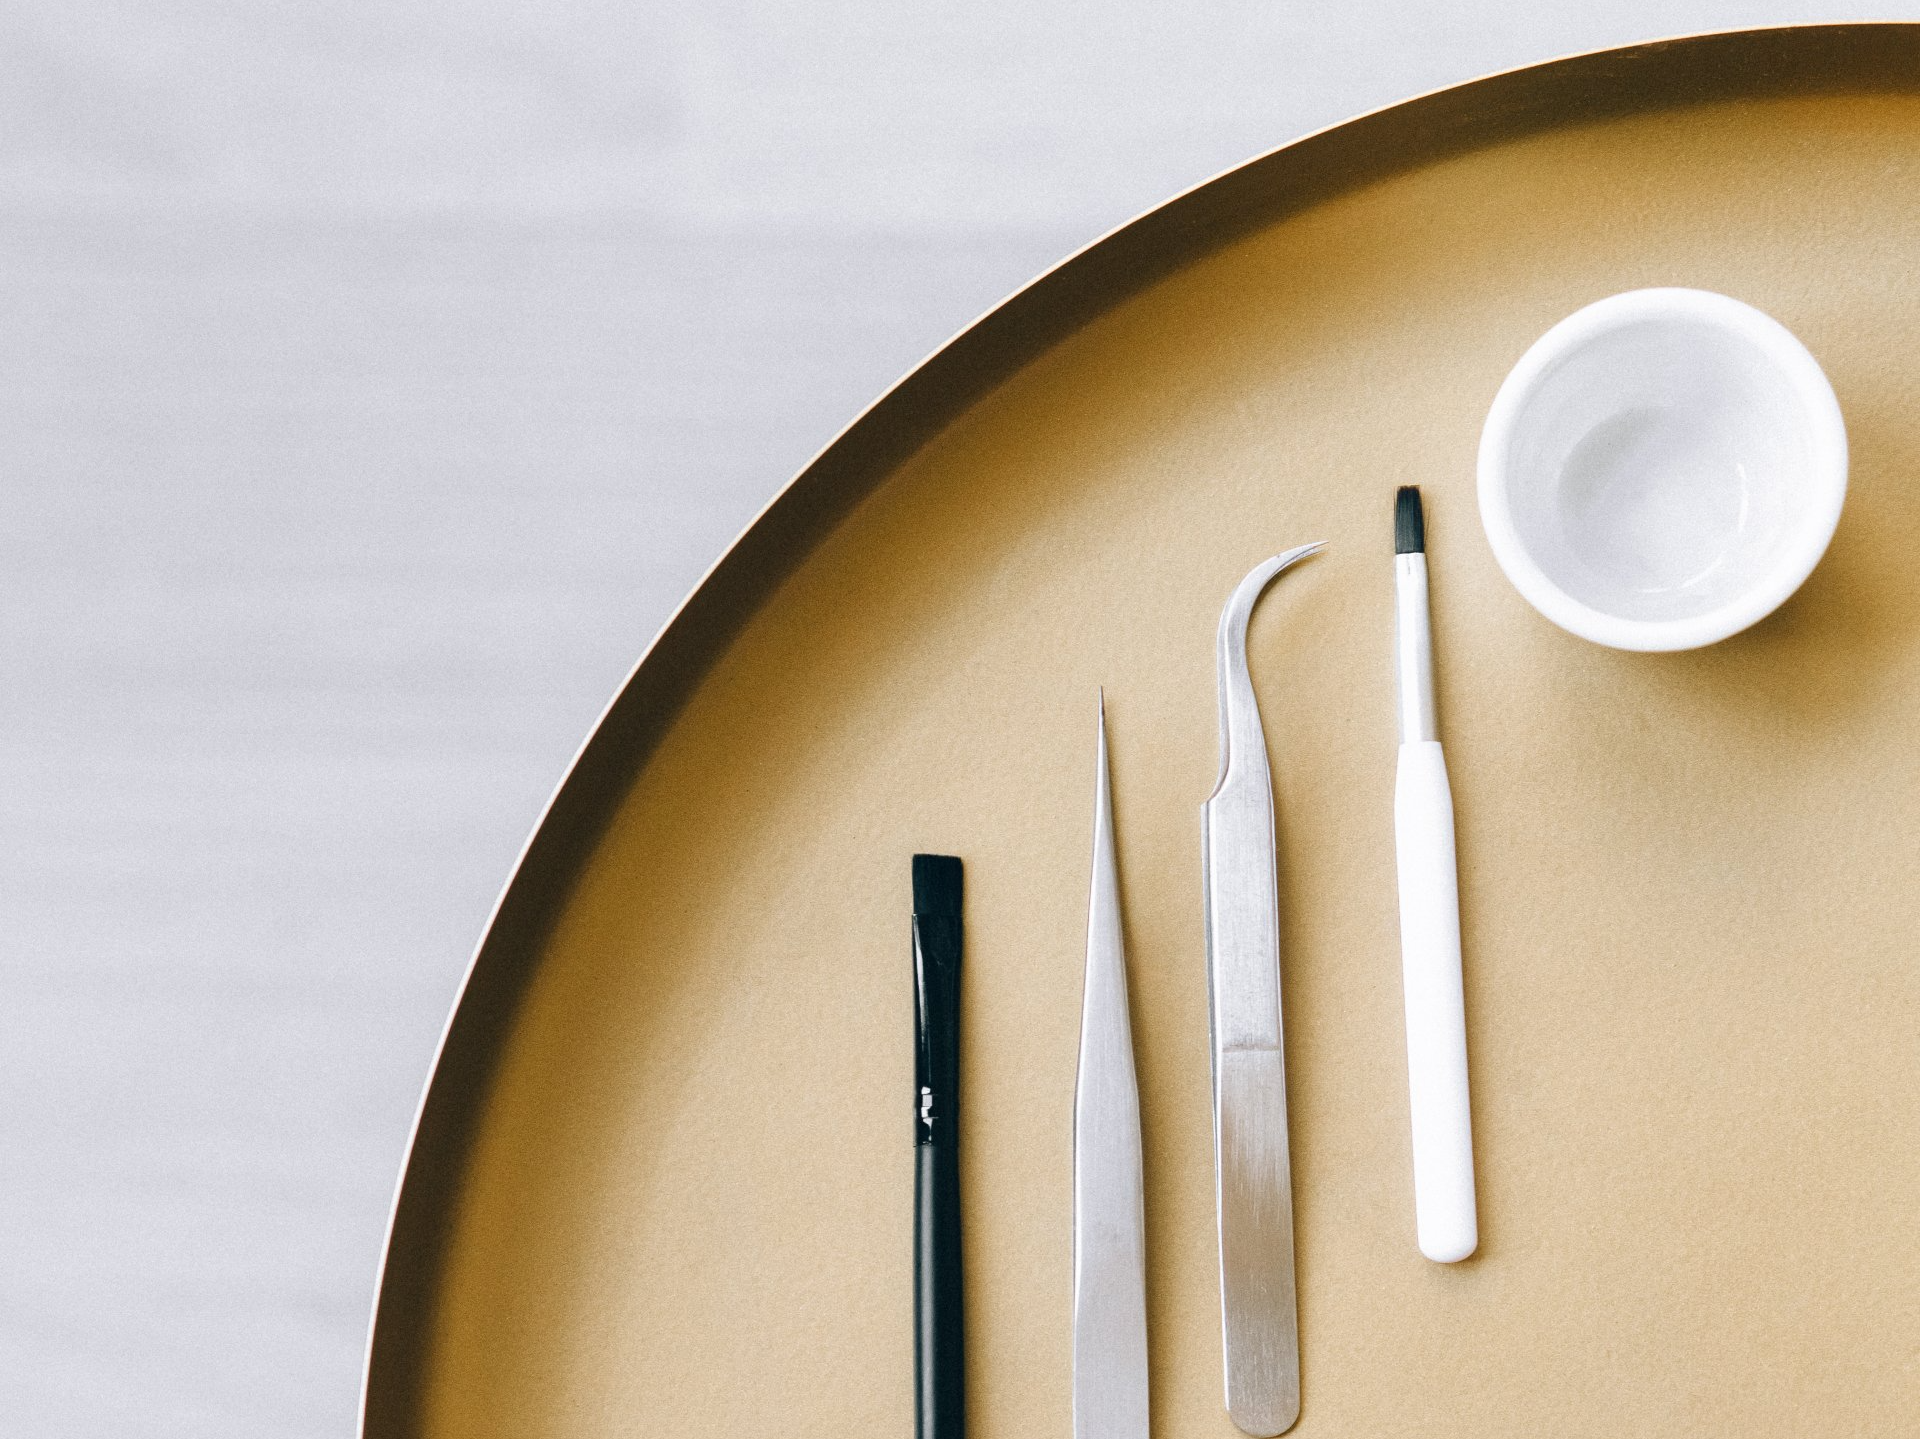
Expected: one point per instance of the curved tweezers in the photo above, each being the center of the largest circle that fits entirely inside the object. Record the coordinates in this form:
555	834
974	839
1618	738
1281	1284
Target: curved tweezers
1253	1182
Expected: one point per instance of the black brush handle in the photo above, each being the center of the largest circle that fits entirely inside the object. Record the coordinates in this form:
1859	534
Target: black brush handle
939	1344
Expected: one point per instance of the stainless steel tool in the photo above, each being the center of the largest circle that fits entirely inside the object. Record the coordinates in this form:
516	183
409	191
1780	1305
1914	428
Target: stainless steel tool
1109	1236
1253	1182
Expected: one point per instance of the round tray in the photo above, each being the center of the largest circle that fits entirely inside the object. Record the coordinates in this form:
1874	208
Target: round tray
660	1183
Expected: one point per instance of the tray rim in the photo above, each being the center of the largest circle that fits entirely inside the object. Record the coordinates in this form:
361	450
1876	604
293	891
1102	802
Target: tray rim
1772	62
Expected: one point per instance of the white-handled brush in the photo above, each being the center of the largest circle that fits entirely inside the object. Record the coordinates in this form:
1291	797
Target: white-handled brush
1445	1215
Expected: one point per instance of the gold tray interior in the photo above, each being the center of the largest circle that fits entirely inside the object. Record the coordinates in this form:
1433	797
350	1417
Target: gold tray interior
1690	883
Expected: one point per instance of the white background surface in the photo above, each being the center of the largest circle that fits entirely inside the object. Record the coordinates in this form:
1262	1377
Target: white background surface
375	377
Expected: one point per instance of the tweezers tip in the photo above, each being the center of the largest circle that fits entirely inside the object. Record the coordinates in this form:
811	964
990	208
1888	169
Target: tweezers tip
1289	558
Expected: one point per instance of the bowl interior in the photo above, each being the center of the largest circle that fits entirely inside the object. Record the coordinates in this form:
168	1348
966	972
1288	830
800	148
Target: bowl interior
1661	467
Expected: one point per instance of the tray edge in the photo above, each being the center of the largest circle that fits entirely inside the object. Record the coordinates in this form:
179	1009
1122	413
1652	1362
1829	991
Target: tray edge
1643	78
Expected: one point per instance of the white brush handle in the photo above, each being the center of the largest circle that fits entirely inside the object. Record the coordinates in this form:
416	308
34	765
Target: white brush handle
1444	1211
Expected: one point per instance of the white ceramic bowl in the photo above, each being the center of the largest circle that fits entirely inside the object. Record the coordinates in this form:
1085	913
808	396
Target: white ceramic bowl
1662	469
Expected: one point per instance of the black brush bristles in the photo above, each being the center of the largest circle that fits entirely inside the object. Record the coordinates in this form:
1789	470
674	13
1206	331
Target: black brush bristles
936	884
1409	522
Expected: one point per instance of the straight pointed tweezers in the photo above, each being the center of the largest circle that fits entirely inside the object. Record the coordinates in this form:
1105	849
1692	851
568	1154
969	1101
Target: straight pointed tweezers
1253	1179
1109	1234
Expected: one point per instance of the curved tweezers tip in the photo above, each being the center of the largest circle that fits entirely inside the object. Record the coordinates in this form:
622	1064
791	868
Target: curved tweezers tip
1234	618
1231	648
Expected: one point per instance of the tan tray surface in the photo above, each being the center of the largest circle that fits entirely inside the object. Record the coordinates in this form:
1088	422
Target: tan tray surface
664	1179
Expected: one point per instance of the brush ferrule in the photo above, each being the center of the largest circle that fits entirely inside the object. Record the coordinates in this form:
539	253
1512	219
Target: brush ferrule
1413	649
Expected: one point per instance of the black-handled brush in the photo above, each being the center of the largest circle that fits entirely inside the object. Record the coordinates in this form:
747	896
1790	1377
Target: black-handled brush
939	1350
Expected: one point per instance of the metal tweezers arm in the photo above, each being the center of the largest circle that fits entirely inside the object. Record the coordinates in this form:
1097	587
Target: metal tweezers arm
1252	1173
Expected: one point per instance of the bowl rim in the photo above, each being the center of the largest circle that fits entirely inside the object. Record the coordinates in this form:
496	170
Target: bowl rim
1826	475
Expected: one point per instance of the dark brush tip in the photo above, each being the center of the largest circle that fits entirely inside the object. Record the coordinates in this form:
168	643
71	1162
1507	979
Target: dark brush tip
1409	522
936	884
